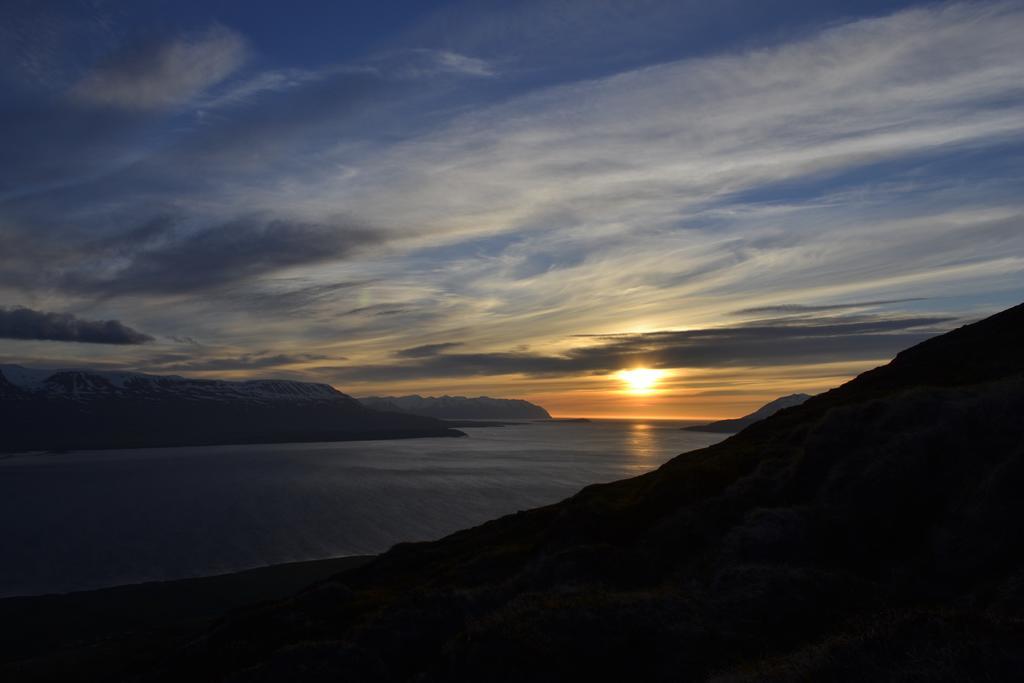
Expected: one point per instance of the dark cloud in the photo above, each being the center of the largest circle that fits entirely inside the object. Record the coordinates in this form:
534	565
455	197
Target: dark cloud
184	340
779	342
377	309
26	323
426	350
797	309
171	261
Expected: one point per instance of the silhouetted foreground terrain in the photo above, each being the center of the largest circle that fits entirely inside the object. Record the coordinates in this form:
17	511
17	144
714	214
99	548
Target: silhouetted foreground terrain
79	409
872	533
459	407
740	423
134	622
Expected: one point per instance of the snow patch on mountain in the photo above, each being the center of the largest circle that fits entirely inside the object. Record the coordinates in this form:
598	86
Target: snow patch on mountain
86	384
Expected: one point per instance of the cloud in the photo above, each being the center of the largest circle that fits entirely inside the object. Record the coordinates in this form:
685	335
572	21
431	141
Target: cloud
169	259
397	65
648	147
799	309
165	75
766	343
179	339
573	33
267	82
281	296
426	62
426	350
866	161
376	309
257	360
25	323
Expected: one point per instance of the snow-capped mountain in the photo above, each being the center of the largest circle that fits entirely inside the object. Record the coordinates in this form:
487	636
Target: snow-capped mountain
84	385
76	409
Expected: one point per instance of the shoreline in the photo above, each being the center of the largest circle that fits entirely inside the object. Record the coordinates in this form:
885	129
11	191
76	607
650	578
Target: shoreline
446	432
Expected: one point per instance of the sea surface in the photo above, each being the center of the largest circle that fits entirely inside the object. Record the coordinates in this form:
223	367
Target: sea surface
89	519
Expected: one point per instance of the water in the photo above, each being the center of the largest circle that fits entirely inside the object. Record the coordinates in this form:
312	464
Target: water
75	521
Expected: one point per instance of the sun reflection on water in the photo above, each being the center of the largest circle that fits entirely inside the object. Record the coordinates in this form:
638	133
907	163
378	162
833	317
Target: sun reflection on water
640	442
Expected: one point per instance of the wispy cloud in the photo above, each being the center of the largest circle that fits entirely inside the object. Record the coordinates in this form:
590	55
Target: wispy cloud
642	147
452	62
164	75
264	83
484	200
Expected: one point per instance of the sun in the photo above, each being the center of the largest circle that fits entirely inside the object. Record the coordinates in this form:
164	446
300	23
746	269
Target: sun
640	380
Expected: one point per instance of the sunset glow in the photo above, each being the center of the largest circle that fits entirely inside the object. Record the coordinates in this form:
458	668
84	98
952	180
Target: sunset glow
640	380
434	212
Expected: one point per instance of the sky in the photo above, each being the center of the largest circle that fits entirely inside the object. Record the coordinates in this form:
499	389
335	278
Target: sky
516	198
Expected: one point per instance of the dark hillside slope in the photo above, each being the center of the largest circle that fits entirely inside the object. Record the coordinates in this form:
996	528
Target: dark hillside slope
875	532
738	424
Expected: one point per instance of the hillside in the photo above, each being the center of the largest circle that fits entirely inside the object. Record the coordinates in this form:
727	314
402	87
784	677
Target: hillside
459	407
872	533
78	409
740	423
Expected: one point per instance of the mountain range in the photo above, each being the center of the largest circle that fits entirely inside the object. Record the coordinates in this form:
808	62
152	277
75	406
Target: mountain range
872	533
459	407
78	409
740	423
